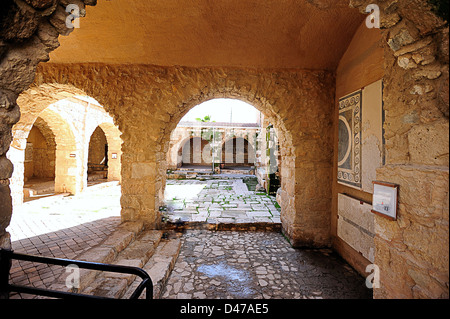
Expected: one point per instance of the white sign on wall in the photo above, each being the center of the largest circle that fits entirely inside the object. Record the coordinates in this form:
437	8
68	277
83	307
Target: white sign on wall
385	200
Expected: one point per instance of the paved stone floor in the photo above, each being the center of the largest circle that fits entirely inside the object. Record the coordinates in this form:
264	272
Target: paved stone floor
212	264
49	214
253	265
219	201
60	227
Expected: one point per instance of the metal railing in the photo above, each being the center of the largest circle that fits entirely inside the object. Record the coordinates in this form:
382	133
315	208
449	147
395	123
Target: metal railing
6	257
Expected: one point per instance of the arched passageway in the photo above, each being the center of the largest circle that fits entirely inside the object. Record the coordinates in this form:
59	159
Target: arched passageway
55	157
237	151
105	153
241	151
40	152
306	143
39	160
66	124
313	35
98	156
195	151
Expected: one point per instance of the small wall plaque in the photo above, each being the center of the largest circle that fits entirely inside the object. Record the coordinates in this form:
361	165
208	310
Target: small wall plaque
114	155
385	199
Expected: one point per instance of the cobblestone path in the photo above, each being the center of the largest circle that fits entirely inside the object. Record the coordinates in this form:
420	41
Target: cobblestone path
253	265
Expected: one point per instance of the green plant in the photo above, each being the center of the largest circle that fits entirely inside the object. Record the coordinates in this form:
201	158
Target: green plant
207	118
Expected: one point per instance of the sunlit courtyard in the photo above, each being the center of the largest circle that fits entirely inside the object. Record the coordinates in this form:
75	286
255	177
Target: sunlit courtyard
50	214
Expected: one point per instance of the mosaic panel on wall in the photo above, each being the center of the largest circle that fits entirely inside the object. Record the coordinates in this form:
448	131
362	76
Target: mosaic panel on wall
349	146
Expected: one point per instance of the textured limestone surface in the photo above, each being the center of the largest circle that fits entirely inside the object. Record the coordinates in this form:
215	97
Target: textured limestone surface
412	252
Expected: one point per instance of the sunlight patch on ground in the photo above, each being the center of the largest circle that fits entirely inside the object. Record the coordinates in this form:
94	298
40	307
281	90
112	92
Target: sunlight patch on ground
54	213
173	192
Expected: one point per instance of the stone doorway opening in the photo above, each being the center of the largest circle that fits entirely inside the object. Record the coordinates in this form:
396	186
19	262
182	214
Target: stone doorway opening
50	148
39	162
217	171
98	157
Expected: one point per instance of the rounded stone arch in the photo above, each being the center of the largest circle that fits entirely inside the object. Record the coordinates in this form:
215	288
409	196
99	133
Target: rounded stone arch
237	151
288	196
174	154
66	158
114	142
43	101
298	104
194	151
40	159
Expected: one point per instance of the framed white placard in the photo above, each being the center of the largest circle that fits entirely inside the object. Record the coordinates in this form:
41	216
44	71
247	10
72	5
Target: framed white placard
385	199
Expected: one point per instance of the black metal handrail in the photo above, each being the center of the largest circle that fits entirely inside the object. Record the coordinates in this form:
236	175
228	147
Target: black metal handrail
6	257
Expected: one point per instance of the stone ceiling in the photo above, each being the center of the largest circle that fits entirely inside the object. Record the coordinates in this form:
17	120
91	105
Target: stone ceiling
304	34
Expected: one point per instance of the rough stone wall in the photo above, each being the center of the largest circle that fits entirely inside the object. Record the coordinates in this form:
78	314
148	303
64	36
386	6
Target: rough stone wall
148	105
412	252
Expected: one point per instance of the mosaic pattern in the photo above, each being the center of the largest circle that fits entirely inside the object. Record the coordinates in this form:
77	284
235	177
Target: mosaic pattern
349	147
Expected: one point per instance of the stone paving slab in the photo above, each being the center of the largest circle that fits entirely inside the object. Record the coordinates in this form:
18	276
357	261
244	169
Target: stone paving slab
66	243
255	265
220	201
61	227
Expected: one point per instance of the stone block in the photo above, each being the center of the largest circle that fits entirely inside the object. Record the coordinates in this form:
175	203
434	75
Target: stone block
99	254
356	211
261	213
142	170
429	144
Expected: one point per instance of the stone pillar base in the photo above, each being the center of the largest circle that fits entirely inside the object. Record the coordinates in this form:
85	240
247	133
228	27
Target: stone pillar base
300	238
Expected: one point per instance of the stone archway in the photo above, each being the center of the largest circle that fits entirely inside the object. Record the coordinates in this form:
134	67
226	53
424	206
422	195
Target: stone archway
40	151
114	148
237	151
195	151
301	229
67	159
63	107
39	162
147	111
97	156
399	19
66	155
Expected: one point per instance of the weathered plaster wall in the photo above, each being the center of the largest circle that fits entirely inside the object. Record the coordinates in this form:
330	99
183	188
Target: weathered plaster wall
148	105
